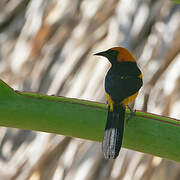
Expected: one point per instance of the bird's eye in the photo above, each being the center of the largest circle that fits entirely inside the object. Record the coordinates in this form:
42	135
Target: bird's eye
114	53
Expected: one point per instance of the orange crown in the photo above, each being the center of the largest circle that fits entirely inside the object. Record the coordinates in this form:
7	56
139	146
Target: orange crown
124	55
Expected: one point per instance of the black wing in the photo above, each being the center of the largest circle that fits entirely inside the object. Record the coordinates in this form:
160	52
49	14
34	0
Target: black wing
121	87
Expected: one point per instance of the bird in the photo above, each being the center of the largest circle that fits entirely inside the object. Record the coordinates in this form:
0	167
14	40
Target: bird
122	84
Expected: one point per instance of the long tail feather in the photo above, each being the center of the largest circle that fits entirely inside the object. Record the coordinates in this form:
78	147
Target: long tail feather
113	133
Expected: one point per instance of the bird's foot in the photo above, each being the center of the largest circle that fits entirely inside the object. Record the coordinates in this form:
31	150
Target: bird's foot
131	114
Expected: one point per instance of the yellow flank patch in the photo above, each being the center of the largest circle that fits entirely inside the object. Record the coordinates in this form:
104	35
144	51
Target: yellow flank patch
110	102
125	102
129	99
140	76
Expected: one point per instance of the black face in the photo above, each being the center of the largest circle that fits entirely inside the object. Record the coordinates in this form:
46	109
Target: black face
111	55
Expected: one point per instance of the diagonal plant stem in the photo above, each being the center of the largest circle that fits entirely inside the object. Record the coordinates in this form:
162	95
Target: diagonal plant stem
144	132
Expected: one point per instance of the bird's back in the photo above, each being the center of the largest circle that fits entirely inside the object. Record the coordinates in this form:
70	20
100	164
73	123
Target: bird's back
123	81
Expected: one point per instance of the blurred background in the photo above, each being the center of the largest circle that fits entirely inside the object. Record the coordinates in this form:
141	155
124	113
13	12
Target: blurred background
47	46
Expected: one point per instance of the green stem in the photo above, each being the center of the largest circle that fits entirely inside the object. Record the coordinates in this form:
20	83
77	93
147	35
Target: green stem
144	132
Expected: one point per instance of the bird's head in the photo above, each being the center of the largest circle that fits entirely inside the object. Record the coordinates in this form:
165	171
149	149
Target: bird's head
117	55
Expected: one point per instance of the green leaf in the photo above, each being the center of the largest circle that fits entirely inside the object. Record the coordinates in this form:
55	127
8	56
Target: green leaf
144	132
176	1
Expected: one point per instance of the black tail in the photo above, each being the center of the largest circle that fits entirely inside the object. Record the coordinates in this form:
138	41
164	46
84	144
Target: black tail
113	133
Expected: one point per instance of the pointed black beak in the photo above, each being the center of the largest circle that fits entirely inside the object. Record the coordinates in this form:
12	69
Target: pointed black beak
103	53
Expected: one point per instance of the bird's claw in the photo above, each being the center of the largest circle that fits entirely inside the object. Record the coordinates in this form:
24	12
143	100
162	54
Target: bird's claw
131	114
